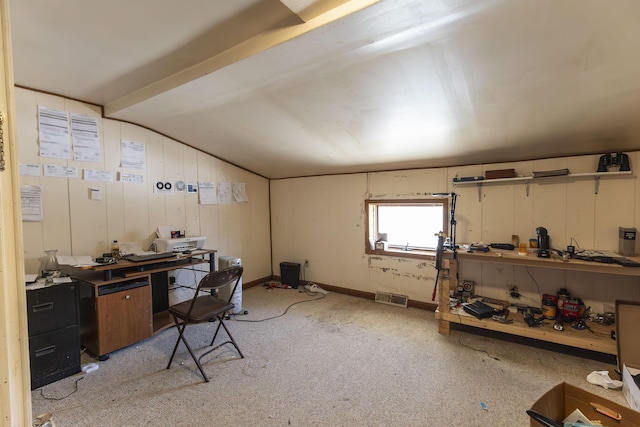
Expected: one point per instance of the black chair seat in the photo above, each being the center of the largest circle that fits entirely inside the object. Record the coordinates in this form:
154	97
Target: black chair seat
202	308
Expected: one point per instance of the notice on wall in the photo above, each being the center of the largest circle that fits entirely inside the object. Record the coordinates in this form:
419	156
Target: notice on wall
131	178
95	193
84	136
53	126
207	193
96	175
132	154
31	202
61	171
27	169
239	191
224	193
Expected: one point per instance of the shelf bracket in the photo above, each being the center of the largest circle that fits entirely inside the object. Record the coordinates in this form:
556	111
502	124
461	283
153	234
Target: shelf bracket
596	184
480	192
526	187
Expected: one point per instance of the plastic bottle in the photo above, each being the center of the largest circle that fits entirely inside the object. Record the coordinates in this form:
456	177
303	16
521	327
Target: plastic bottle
115	249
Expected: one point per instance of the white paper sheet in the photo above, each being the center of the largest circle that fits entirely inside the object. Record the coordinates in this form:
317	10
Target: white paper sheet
31	199
239	192
54	133
75	261
98	175
164	231
61	171
131	177
207	191
133	248
224	193
132	154
27	169
84	135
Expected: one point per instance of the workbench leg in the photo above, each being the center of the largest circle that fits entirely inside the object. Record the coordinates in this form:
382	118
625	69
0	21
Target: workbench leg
444	327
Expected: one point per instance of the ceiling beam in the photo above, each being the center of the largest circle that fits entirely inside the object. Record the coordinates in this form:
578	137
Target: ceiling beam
237	53
311	9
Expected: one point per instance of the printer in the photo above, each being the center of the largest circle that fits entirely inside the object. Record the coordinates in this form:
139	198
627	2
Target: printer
166	243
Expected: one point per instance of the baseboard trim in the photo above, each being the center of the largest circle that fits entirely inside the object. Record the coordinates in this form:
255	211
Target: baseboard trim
346	291
258	282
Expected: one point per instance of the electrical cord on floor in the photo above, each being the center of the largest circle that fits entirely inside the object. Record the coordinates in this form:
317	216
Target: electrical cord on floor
285	311
470	346
256	367
43	420
75	388
309	293
173	288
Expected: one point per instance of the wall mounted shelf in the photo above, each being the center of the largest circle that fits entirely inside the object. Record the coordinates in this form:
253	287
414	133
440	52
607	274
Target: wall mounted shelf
528	179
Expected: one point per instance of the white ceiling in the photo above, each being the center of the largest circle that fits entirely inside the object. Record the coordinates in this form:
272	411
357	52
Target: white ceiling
289	88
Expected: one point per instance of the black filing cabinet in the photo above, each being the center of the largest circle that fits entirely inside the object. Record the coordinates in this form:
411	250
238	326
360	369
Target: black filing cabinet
54	333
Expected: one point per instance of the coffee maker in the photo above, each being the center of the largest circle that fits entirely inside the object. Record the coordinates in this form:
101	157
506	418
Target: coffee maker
543	243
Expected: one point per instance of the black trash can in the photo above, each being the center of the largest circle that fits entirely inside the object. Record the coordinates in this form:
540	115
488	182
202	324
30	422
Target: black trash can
290	274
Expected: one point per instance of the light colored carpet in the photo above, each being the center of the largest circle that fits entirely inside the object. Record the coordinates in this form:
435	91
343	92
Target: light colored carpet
336	361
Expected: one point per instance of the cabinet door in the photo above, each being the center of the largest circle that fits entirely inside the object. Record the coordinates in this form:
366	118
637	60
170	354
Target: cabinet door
123	318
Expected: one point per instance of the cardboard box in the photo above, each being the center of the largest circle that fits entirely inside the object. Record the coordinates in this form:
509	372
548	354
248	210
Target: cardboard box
627	321
564	398
500	173
629	387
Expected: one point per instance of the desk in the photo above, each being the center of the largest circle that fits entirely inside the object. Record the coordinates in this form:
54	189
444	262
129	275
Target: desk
128	268
599	341
126	302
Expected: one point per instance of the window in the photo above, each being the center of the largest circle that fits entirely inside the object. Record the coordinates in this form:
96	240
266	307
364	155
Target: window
407	224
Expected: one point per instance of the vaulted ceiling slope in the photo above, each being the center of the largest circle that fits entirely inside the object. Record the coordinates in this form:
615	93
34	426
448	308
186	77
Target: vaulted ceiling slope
289	88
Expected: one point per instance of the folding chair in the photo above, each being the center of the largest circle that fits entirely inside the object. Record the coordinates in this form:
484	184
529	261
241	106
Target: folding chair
205	308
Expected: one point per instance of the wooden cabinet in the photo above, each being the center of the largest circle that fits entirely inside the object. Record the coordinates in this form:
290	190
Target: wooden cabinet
115	314
600	340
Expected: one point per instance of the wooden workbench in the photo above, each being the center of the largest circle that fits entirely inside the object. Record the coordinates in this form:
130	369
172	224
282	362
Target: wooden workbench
600	340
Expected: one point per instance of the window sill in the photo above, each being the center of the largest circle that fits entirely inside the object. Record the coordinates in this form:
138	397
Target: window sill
413	253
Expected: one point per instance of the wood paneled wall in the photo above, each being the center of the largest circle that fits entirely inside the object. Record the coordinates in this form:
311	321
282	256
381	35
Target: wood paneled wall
322	219
76	225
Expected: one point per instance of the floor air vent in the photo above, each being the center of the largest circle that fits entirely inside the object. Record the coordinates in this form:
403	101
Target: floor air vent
392	299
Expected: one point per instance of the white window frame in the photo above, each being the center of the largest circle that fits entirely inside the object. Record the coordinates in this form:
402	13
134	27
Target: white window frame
371	218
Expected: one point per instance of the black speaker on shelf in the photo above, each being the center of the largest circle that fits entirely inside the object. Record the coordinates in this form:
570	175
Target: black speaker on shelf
290	274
